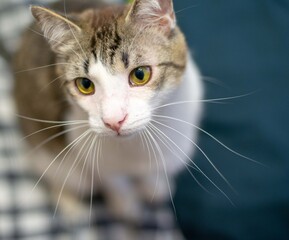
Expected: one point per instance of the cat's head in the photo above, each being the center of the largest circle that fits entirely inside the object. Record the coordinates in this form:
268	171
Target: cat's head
118	63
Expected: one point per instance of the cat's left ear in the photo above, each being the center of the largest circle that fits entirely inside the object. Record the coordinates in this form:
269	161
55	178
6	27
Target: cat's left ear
159	13
55	27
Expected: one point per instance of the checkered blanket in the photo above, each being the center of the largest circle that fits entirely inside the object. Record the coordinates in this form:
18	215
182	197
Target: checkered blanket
29	215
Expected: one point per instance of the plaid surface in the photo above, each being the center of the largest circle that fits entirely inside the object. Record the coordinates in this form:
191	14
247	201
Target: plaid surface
29	215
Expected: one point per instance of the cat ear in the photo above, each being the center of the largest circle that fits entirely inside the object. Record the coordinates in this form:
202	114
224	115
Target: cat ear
55	27
158	13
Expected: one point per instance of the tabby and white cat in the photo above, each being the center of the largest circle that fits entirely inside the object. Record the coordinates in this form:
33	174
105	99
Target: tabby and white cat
111	79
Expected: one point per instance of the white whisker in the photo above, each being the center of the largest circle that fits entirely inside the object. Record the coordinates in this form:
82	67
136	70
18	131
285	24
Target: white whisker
201	150
165	142
141	138
80	157
186	8
72	147
49	121
51	82
98	156
170	147
146	146
92	179
53	40
165	169
73	166
73	32
55	136
213	100
147	137
216	82
194	166
41	67
197	166
211	136
51	127
68	146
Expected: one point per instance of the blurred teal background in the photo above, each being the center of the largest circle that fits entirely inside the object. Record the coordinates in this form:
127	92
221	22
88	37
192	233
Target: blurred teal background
241	47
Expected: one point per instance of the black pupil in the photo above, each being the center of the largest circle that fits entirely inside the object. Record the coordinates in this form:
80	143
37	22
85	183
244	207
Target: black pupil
86	83
139	73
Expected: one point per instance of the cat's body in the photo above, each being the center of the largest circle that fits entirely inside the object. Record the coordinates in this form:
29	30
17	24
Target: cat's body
114	42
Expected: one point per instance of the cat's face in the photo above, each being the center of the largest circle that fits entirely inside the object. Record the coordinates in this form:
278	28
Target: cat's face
122	61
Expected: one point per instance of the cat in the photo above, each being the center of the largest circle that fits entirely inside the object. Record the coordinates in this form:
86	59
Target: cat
99	92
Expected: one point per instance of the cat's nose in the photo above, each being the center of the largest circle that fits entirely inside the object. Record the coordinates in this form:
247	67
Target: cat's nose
114	123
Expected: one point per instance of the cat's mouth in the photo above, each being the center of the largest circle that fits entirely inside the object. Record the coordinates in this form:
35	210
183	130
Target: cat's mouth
121	134
125	133
125	136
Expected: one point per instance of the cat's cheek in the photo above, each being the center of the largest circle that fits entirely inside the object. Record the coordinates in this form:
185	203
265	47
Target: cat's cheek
96	124
89	105
139	113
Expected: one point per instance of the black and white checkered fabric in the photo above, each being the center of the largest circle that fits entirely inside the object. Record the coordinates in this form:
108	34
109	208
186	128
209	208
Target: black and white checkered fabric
29	215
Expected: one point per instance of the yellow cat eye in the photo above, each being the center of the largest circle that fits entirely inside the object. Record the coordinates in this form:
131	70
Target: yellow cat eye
140	76
85	86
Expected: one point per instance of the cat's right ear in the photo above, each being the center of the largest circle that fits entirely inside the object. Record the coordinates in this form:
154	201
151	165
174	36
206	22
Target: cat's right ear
153	13
55	27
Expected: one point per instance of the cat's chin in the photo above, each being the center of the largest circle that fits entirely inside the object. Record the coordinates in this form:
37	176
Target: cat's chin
125	134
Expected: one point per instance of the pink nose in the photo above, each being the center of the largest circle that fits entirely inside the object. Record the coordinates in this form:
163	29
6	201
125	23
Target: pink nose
113	123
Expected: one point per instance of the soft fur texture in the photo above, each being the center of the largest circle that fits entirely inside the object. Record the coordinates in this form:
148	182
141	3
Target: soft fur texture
105	45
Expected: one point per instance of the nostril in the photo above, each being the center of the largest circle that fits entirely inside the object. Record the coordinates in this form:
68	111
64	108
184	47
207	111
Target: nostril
107	124
122	121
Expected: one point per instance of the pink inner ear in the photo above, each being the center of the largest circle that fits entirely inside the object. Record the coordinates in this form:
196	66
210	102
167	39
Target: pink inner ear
155	12
169	20
166	7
